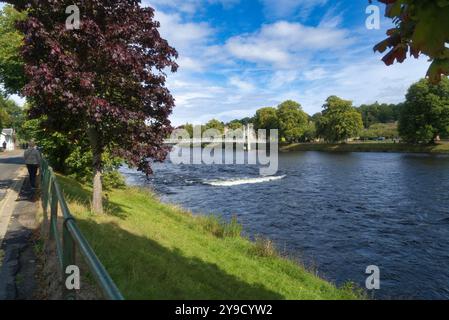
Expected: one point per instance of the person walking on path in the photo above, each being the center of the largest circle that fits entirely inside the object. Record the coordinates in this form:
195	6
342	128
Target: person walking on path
32	158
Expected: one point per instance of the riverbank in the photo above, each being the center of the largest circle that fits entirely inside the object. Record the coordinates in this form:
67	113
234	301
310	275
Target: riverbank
157	251
442	148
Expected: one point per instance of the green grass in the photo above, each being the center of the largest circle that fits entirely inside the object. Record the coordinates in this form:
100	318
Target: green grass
156	251
369	147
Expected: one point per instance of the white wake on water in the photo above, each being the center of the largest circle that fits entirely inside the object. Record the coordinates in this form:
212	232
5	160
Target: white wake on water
237	182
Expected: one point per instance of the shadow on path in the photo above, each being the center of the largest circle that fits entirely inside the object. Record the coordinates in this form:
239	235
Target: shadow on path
11	160
18	265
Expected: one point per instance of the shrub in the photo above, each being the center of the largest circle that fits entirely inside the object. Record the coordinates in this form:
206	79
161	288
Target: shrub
113	180
264	247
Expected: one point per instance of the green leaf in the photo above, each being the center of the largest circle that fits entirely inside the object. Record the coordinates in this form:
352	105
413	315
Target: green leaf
437	68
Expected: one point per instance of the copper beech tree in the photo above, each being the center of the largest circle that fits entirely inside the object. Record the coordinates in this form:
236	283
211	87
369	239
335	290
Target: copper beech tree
105	80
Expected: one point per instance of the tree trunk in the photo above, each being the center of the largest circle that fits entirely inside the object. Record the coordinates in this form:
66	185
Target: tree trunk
97	196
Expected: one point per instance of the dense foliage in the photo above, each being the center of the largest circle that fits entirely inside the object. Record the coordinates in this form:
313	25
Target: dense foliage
421	27
292	120
11	115
105	81
339	120
215	125
425	114
379	113
12	76
70	157
266	118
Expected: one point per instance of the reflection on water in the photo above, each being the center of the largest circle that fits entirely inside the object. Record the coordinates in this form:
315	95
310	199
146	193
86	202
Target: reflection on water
338	212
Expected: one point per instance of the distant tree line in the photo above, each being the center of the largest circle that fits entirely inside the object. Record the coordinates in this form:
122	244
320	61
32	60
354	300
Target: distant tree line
422	118
11	115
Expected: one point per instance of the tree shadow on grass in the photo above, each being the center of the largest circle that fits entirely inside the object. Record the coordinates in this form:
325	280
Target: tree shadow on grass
144	270
75	191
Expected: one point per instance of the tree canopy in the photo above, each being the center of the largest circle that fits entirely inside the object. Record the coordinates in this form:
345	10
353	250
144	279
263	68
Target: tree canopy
425	114
215	124
379	113
421	27
12	75
339	120
11	115
293	121
266	118
235	125
104	82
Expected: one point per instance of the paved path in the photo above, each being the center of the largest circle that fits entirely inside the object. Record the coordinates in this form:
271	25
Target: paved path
17	224
10	163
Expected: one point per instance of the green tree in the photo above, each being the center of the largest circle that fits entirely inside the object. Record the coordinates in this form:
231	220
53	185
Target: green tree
420	27
3	118
12	76
293	121
106	79
234	125
11	115
339	120
266	118
247	120
310	132
188	127
14	114
215	124
68	156
425	113
379	113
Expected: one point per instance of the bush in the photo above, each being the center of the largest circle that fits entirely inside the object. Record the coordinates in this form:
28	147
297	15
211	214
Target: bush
264	247
79	167
113	180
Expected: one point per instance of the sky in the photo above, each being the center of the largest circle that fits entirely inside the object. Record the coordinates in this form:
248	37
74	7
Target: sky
236	56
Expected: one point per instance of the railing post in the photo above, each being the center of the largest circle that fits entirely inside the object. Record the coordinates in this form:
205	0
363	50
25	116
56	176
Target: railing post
53	209
45	187
68	259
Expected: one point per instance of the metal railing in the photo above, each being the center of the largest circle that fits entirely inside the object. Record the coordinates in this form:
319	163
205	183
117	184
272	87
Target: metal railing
72	237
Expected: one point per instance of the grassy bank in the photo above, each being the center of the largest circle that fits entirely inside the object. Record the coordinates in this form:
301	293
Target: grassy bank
368	147
156	251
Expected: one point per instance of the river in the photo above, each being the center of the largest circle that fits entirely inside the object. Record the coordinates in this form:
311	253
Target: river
337	212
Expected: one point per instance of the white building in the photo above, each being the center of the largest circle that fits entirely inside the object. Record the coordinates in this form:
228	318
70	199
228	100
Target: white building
7	136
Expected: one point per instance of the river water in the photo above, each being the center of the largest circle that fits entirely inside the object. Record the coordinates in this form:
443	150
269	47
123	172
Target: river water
337	212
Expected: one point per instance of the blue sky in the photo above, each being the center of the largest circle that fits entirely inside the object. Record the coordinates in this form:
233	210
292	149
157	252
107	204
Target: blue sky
240	55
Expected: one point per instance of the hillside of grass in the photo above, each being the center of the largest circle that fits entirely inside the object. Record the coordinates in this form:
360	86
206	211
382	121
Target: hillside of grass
156	251
440	148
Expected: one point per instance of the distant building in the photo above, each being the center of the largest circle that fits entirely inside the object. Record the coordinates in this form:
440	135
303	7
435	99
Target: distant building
7	136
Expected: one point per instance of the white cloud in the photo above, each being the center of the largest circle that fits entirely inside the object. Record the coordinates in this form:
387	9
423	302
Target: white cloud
365	80
288	8
190	39
282	60
315	74
284	44
188	6
281	78
240	84
183	35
